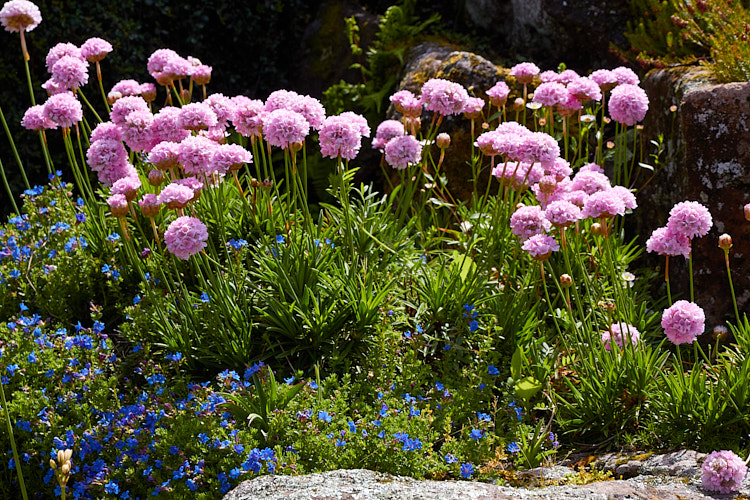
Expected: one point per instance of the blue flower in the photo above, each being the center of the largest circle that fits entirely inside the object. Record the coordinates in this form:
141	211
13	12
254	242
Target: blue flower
290	380
467	469
11	369
32	357
280	239
312	385
492	370
513	447
352	427
324	416
483	417
113	238
205	298
112	487
473	326
450	459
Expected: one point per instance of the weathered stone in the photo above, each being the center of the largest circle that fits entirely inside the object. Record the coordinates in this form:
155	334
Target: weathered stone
683	463
710	137
369	485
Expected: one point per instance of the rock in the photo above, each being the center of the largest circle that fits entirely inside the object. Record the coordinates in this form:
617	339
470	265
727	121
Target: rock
708	134
369	485
683	463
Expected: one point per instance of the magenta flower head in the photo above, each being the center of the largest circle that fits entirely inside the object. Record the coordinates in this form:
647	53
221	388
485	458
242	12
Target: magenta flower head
723	471
562	213
499	93
540	246
628	104
283	127
70	72
95	49
627	196
444	97
248	117
164	155
149	205
126	105
340	137
567	76
60	50
690	218
528	221
550	94
620	332
668	243
407	104
524	72
136	131
585	89
166	126
34	119
20	15
175	196
148	91
625	76
197	116
683	322
312	110
229	158
127	87
106	130
127	186
589	181
539	147
359	121
402	151
195	153
604	78
281	99
185	236
201	74
473	107
63	109
386	131
603	204
118	205
223	106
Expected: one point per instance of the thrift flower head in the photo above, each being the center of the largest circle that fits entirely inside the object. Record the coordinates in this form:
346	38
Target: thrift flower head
627	196
628	104
683	322
149	205
70	72
283	127
524	72
589	182
197	116
34	119
402	151
60	50
407	104
104	156
603	204
540	246
223	107
604	78
723	471
201	74
175	196
550	94
498	94
585	89
106	130
248	118
127	186
166	126
63	109
690	218
539	147
20	15
185	236
164	155
127	87
312	110
136	130
561	213
568	105
118	205
620	332
567	76
359	121
158	60
126	105
386	131
195	154
625	76
340	137
473	108
229	158
528	221
95	49
281	99
444	97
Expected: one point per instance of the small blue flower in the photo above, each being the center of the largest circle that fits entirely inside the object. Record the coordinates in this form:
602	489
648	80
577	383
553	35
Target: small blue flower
475	434
513	447
112	487
473	326
483	417
467	469
280	239
290	380
205	298
324	416
450	459
113	238
492	370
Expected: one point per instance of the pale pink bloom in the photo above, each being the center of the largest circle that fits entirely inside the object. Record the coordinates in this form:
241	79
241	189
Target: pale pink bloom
567	76
127	186
683	322
157	64
149	205
63	109
620	333
499	93
313	111
118	205
34	119
340	137
136	130
540	246
175	196
444	97
223	107
53	87
60	50
690	218
568	105
560	169
386	131
148	91
575	196
589	181
166	126
539	147
95	49
283	127
229	158
197	116
201	74
195	154
177	67
604	78
473	108
194	184
628	104
626	76
164	155
628	197
20	15
402	151
359	121
526	174
281	99
248	119
407	104
603	204
562	213
126	105
185	236
524	72
70	72
585	89
127	87
528	221
668	243
591	167
104	152
723	471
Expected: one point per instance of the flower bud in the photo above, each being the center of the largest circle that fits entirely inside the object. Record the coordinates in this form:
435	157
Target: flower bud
720	333
566	281
295	146
53	464
155	177
596	229
113	96
443	140
517	104
725	242
65	469
254	183
67	455
185	96
60	457
747	212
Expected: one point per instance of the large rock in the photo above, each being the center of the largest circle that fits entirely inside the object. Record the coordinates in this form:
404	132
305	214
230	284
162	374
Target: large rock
709	139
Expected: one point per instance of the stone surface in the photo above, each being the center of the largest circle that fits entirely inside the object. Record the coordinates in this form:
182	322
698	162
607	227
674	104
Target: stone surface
709	140
683	463
369	485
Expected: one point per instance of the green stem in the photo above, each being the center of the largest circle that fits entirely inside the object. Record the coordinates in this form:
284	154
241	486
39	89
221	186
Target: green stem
7	188
28	75
731	287
15	151
16	458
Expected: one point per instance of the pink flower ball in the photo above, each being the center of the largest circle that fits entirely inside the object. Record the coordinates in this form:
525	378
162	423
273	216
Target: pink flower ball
126	105
539	147
136	131
540	246
528	221
104	152
690	218
20	15
53	87
627	196
95	49
473	108
127	186
575	196
590	182
625	76
444	97
562	213
603	204
550	94
340	138
248	119
591	167
281	99
149	205
526	174
201	74
195	155
620	332
312	110
127	87
683	322
60	50
548	76
723	471
359	121
666	242
223	106
283	127
34	119
524	72
148	91
165	155
568	105
118	205
386	131
604	78
560	169
402	151
229	158
628	104
499	93
567	76
194	184
63	109
585	89
197	116
185	236
407	104
175	196
177	67
106	130
166	127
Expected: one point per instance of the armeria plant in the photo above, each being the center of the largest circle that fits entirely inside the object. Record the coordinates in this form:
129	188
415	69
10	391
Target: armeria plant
197	241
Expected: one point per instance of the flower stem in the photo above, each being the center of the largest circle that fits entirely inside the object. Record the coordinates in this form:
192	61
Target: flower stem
13	444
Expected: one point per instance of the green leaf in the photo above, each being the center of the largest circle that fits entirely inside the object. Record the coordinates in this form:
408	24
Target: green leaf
527	388
463	264
646	166
516	362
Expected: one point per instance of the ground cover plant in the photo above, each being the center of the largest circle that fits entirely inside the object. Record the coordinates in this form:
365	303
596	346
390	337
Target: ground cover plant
177	318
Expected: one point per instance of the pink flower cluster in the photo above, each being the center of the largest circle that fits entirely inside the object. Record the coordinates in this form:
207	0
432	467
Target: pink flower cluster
687	220
20	15
341	136
402	151
407	104
628	104
620	333
444	97
386	131
185	236
723	471
683	322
